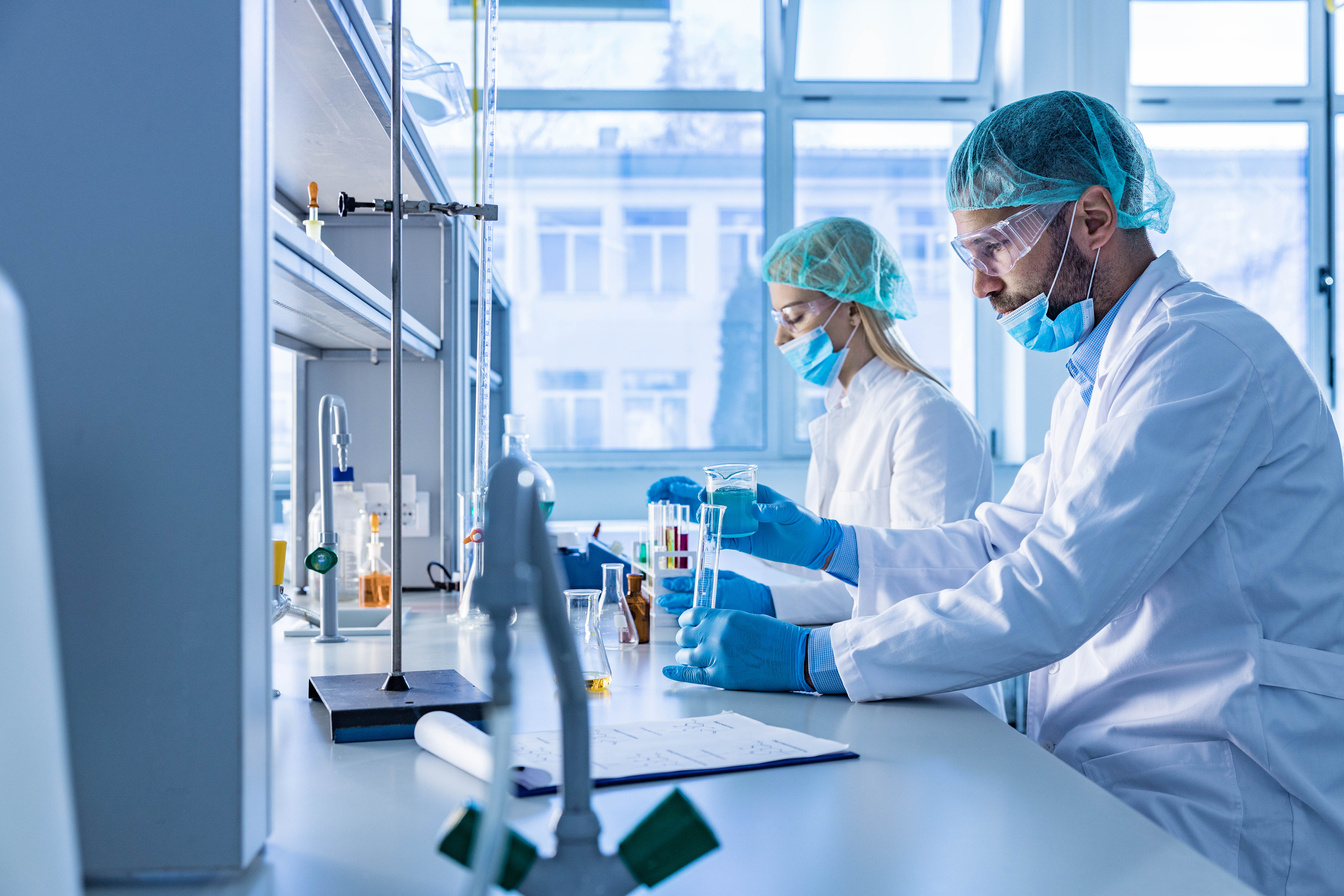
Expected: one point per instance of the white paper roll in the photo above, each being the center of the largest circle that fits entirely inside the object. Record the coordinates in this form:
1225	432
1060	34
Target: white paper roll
455	741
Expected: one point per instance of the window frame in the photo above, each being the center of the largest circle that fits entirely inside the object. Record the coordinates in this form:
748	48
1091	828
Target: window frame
1310	105
781	102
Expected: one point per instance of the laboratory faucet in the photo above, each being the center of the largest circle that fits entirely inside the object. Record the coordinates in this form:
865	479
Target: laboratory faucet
334	431
521	569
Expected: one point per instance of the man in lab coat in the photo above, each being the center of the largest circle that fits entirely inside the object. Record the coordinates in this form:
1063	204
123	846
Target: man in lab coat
1170	569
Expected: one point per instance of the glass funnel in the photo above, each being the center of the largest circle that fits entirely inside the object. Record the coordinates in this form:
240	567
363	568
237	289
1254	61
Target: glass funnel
593	663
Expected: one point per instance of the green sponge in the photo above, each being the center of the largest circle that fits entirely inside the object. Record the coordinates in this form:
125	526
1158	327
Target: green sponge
460	835
669	838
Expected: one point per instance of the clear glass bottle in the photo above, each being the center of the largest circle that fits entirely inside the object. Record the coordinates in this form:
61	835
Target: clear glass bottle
515	445
613	595
593	663
375	577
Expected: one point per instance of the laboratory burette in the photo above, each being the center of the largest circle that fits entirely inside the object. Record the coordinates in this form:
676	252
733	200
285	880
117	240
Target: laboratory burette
488	855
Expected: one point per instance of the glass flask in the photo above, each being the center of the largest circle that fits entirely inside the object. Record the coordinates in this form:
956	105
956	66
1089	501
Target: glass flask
613	595
375	578
593	663
733	486
515	445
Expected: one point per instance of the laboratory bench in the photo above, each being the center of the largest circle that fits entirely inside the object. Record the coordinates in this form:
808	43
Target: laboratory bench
944	799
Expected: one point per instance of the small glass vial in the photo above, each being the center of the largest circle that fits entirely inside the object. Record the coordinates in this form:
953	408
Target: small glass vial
593	663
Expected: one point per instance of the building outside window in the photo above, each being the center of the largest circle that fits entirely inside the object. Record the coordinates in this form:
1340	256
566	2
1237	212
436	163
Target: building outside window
569	253
655	251
653	408
570	405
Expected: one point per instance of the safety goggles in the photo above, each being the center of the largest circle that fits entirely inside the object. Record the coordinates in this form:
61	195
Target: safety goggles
994	250
795	318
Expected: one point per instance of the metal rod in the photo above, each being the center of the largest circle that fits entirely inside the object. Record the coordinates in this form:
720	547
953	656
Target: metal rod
395	680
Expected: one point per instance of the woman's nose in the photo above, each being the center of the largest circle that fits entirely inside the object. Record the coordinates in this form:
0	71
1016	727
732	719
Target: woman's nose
781	335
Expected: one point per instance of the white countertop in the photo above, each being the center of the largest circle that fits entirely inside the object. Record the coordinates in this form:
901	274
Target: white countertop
945	799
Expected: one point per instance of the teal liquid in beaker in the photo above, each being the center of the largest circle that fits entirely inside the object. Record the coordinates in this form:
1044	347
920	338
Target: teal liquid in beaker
546	507
736	502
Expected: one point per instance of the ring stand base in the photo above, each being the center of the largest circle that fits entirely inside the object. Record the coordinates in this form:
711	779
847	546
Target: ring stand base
359	709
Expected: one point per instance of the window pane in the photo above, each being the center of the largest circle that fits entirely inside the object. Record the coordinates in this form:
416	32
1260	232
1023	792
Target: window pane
895	172
683	167
587	263
639	262
552	258
674	264
635	44
1218	42
889	40
1240	219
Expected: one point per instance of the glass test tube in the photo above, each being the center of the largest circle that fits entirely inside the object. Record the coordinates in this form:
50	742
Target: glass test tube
707	556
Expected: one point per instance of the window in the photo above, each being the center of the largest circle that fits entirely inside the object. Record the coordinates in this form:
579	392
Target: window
740	248
570	404
654	408
574	174
655	251
569	250
889	40
1240	218
633	44
1207	43
892	175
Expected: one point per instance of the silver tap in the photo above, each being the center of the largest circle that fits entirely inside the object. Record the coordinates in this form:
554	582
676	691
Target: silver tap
335	433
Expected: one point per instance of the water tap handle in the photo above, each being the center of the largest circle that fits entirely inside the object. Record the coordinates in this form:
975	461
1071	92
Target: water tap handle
669	838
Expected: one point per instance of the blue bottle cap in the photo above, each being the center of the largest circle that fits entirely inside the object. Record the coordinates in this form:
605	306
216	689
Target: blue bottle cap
339	475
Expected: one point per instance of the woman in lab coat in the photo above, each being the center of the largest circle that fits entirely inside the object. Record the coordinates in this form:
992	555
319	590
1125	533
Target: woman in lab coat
894	449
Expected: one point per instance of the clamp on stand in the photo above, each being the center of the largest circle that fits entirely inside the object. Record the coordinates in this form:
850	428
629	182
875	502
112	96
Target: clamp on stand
348	204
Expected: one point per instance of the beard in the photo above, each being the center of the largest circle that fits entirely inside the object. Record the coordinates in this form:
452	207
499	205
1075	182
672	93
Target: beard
1071	287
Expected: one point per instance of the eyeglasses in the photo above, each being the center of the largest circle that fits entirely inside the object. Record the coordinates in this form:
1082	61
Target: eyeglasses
996	248
793	318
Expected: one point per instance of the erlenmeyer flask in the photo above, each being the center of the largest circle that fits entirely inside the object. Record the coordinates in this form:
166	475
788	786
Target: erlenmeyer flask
593	664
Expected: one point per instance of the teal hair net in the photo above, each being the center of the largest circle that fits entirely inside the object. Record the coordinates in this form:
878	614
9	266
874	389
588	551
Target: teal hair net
845	259
1051	148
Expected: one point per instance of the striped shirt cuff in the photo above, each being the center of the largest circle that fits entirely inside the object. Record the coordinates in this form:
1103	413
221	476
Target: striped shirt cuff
821	663
844	563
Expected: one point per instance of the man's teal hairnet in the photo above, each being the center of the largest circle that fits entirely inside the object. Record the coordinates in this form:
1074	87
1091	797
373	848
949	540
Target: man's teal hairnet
1051	148
847	260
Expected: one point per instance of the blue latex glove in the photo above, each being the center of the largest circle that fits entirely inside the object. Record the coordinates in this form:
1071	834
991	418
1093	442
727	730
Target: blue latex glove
735	593
739	651
789	532
678	490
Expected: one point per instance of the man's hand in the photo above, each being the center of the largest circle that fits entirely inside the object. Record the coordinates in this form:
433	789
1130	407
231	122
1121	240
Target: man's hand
735	593
739	651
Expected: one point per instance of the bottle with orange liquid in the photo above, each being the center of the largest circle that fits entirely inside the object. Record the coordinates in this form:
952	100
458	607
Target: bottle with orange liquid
375	580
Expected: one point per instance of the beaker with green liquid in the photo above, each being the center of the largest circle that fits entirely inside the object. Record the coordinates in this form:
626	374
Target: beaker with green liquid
733	487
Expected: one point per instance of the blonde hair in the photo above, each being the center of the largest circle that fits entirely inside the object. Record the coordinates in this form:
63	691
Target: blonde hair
885	339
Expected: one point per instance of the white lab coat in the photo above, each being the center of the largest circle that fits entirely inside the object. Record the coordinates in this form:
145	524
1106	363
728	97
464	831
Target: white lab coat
892	450
1171	571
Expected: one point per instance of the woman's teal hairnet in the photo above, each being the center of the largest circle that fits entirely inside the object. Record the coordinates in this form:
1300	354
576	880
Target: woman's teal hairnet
847	260
1051	148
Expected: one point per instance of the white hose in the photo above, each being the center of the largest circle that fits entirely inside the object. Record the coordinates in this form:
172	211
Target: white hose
488	852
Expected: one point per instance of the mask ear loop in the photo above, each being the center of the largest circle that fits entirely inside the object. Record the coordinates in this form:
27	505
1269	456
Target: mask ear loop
1051	290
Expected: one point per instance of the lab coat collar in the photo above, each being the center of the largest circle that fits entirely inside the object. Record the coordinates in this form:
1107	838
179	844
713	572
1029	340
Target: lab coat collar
864	379
1163	274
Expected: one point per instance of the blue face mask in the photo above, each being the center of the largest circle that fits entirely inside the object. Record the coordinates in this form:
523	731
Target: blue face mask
813	357
1030	326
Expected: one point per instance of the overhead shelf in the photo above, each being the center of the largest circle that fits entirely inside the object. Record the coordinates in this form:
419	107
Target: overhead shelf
333	120
319	300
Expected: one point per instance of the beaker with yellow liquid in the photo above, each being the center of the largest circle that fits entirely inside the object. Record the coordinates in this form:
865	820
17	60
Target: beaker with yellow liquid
583	619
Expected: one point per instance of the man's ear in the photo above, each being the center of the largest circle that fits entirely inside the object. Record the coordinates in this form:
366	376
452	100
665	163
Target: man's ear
1100	218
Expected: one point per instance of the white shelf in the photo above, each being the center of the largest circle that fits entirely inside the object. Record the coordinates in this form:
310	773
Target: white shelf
318	299
332	117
